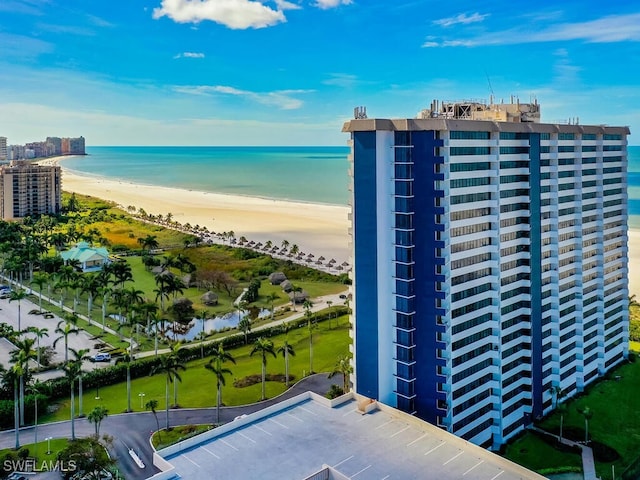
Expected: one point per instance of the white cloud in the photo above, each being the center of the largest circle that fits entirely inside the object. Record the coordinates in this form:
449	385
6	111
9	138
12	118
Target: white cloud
343	80
189	55
284	5
613	28
235	14
462	18
326	4
282	99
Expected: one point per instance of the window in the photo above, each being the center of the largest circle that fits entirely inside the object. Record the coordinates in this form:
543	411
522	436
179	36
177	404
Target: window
462	135
456	151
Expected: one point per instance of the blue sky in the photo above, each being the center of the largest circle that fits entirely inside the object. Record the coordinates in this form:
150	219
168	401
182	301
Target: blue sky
290	72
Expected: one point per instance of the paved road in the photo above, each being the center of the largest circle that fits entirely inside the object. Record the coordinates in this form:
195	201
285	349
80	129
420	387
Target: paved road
132	430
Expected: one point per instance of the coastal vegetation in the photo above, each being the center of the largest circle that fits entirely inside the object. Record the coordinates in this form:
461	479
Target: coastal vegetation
139	307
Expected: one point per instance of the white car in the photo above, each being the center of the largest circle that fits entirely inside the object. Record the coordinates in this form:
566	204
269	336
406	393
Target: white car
101	357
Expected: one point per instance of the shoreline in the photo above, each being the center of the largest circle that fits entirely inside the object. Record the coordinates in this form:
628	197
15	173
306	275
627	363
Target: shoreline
321	229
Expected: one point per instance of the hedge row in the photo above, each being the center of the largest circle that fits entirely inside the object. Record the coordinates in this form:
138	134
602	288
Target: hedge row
59	387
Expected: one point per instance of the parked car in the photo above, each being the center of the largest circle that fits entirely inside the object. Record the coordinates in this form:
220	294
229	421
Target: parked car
101	357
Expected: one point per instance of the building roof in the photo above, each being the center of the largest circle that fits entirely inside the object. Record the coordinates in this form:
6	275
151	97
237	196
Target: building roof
83	252
301	436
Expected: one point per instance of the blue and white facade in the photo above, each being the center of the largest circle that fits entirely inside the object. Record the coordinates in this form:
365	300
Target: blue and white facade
490	265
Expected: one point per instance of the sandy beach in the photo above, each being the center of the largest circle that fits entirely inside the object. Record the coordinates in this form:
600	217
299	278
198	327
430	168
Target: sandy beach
315	228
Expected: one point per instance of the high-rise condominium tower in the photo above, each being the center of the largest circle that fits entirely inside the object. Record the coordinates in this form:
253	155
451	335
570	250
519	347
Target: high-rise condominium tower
490	262
27	189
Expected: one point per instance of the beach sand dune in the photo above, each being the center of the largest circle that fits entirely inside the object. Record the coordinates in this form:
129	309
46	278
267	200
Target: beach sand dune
315	228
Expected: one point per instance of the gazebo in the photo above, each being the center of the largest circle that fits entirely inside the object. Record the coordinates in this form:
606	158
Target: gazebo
209	298
90	259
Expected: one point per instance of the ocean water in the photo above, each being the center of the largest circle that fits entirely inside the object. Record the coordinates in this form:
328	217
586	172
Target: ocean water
307	174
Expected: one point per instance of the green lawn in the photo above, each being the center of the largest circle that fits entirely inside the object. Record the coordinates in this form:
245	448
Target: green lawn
39	450
615	422
536	455
197	388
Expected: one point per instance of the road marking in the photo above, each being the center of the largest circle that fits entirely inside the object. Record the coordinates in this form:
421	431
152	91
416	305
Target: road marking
345	460
496	476
384	424
454	457
435	448
476	465
248	438
278	423
262	429
295	416
417	439
385	478
227	443
308	411
184	456
358	473
210	452
400	431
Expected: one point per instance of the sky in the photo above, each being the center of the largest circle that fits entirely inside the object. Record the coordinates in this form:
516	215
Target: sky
290	72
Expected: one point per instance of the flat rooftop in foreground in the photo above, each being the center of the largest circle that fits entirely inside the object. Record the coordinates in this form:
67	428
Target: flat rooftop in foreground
299	437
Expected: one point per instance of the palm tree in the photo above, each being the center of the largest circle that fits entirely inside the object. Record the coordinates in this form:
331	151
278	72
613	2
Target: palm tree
272	297
264	347
18	296
90	284
23	354
587	413
40	280
72	370
121	272
105	291
39	333
329	304
215	366
286	349
153	405
632	301
16	372
203	316
36	388
294	290
148	243
96	416
244	326
170	365
79	357
310	326
69	328
343	367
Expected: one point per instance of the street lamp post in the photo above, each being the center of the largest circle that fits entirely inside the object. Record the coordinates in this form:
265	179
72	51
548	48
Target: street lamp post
48	439
141	395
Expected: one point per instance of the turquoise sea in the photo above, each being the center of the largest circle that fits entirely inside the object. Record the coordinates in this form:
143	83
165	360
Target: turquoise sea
307	174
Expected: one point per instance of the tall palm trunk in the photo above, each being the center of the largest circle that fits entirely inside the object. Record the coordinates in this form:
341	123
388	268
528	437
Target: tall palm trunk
16	412
166	397
21	400
264	377
73	410
129	386
80	412
286	366
218	403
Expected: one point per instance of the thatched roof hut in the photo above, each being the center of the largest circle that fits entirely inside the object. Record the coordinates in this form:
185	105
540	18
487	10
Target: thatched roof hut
276	278
298	297
286	286
210	298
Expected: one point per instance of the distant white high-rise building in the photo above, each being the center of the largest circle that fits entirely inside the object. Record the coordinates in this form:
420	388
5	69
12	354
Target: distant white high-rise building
490	263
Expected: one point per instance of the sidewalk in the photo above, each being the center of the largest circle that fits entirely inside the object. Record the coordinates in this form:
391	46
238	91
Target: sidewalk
588	463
